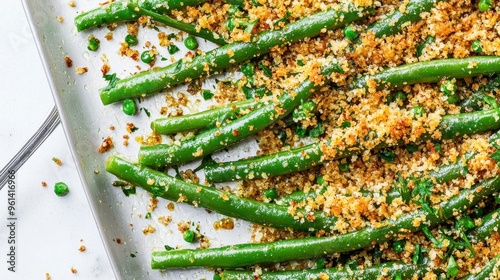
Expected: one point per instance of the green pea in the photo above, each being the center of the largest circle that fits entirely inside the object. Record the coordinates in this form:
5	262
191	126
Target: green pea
271	194
172	49
147	57
93	43
412	148
418	111
344	167
477	46
350	33
401	96
61	189
191	43
189	236
399	245
484	5
248	69
131	40
207	94
129	107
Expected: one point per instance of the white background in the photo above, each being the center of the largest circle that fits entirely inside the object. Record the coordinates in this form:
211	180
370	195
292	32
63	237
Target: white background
50	229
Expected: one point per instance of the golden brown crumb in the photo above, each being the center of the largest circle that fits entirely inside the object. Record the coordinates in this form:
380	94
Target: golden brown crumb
224	223
148	230
47	276
73	270
44	184
105	68
81	70
130	127
59	18
109	36
72	4
82	248
68	61
106	145
170	206
111	127
165	220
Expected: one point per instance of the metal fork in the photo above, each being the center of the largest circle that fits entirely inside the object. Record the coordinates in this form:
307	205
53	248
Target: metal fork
49	124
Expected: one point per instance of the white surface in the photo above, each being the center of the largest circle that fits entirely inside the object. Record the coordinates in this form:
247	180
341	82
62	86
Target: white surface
49	228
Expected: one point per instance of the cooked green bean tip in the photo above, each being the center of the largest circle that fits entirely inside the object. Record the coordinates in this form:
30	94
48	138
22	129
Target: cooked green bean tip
191	43
129	107
350	33
484	5
93	43
477	46
61	189
147	57
131	40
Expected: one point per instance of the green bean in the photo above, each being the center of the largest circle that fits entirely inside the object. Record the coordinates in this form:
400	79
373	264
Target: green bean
486	271
217	138
489	224
476	100
154	80
431	71
451	127
390	269
444	174
395	21
186	27
162	185
119	12
242	255
202	119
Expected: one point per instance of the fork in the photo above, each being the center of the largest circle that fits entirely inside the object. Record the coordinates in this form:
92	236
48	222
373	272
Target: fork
49	124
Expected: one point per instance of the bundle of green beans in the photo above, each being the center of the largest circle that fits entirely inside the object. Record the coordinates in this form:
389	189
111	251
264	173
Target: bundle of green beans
263	115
